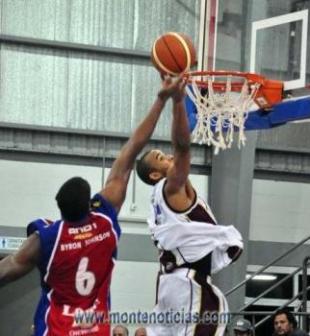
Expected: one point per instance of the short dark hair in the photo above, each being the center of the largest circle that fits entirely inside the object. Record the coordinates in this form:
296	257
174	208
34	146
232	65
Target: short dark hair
144	170
73	199
289	315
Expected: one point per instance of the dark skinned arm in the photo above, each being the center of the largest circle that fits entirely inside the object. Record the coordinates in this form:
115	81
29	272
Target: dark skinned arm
17	265
117	181
177	176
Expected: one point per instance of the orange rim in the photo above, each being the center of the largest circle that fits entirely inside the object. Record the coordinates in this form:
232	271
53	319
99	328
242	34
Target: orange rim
221	85
269	91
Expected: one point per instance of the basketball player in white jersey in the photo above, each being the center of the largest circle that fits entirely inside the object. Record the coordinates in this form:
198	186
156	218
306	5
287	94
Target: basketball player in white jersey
191	244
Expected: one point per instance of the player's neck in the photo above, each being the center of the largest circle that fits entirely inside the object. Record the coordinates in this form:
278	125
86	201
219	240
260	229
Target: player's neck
81	222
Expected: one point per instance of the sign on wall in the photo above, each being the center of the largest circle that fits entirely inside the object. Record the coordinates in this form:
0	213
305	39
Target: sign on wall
11	243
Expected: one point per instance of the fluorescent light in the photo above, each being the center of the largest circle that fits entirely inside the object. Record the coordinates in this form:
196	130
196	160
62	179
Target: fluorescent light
262	277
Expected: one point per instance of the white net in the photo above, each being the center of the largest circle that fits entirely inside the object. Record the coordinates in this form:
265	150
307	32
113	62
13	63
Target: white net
221	113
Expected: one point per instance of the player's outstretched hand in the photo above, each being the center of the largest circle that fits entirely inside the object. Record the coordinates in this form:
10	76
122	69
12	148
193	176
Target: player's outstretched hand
172	87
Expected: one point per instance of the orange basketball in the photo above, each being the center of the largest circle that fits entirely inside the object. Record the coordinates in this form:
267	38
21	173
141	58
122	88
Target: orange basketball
173	53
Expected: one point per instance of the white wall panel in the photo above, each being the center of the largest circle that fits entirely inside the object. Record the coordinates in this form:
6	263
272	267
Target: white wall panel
28	190
134	287
280	211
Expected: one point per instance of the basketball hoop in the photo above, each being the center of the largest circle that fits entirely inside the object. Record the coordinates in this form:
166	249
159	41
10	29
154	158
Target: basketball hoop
223	100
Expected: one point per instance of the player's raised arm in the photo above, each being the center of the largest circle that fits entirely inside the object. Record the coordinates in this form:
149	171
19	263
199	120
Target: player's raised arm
177	175
116	184
16	265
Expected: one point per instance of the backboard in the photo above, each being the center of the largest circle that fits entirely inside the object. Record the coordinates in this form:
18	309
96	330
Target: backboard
269	37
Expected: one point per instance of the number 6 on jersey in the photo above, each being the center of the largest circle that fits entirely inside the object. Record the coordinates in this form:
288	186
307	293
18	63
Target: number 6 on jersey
84	280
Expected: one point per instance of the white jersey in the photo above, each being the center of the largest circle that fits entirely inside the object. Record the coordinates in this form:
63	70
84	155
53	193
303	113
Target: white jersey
199	211
192	234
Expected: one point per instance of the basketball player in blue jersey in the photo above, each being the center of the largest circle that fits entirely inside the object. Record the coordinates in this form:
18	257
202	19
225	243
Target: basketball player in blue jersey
191	244
75	254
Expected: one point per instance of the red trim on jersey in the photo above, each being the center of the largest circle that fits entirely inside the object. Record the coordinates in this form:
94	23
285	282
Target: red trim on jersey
54	250
109	220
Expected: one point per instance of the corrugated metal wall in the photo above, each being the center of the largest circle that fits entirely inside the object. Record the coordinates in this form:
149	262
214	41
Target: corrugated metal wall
48	87
294	136
130	24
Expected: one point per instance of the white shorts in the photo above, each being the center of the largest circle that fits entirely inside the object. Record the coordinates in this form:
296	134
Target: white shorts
188	305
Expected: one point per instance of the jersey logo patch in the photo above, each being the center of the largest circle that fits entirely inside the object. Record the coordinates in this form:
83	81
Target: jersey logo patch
83	236
96	204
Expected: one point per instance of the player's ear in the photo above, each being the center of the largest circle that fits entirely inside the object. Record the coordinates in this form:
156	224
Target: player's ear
155	175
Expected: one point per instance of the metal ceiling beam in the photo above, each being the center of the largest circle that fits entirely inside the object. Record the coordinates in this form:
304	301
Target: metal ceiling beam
84	147
74	47
79	147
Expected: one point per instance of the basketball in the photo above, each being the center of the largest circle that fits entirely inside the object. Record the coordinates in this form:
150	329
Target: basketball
173	53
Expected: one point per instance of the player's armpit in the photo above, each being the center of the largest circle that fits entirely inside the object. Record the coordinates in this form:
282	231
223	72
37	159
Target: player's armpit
16	265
